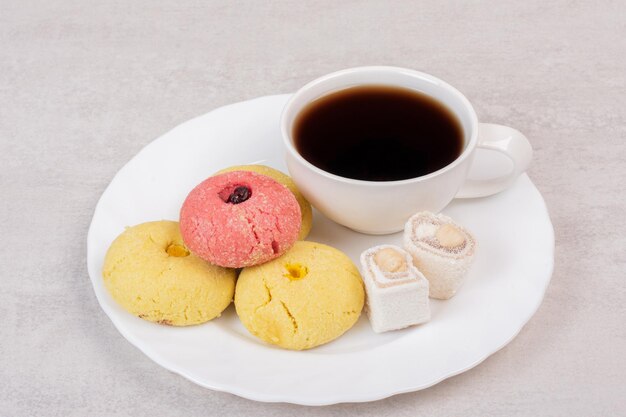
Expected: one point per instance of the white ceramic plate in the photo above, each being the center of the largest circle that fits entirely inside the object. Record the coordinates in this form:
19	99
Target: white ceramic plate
506	284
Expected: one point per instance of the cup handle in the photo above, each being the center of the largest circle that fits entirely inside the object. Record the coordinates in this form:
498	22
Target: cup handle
507	141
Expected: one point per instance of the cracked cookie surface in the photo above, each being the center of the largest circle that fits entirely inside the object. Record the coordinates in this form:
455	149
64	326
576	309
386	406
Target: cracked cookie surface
239	232
305	298
151	274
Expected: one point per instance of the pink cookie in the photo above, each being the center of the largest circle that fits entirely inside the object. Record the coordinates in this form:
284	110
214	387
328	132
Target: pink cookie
239	219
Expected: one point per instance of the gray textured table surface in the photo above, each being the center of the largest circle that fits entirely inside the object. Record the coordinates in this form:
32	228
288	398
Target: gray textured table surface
85	85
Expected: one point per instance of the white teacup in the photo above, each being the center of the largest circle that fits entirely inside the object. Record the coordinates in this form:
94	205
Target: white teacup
381	207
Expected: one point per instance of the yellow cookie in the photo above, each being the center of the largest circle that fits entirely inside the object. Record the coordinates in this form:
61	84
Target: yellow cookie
151	274
307	297
276	175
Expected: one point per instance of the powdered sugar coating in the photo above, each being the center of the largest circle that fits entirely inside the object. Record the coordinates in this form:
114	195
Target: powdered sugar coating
444	268
254	231
395	300
422	227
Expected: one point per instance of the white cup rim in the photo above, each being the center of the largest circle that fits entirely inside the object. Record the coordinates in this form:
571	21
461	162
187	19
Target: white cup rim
471	144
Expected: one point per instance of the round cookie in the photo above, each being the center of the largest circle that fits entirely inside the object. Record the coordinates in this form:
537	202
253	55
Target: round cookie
151	274
284	179
307	297
239	219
